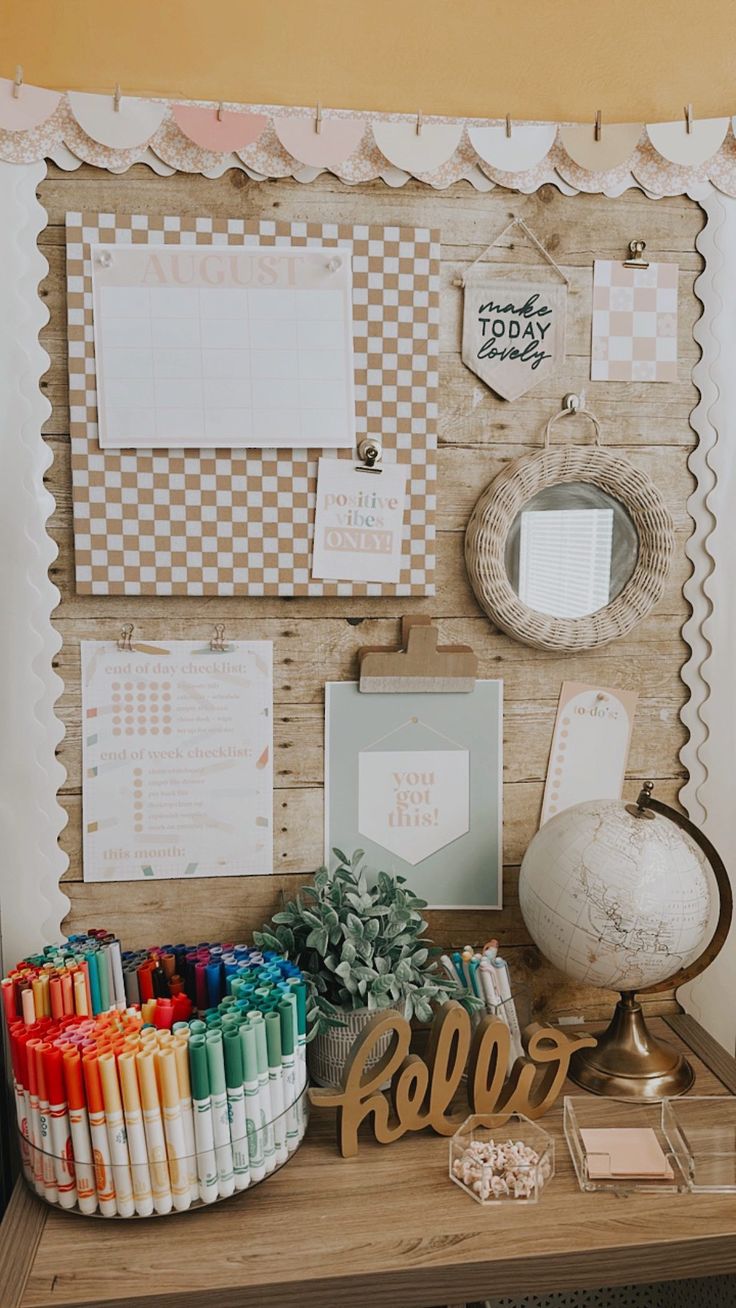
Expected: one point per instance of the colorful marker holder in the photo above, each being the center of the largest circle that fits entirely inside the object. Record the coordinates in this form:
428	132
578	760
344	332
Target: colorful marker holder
156	1081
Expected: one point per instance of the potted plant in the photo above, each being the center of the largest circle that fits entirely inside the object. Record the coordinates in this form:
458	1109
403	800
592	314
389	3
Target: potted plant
361	948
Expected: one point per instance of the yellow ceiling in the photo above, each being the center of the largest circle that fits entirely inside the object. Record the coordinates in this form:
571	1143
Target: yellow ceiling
558	59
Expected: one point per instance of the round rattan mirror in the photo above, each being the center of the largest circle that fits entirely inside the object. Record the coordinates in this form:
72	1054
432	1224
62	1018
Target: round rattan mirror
569	548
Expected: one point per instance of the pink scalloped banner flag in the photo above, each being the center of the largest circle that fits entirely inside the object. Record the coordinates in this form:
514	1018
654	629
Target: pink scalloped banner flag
131	124
335	141
32	106
230	131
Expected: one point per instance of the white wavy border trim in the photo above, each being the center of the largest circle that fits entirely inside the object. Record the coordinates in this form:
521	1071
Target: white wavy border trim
30	775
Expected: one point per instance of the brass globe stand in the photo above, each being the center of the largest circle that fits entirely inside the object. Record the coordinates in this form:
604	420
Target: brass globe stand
628	1062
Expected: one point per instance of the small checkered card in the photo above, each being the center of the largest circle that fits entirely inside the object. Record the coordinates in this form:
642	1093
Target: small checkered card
634	322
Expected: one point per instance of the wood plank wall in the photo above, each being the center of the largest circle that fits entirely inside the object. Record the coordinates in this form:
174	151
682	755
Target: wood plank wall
316	639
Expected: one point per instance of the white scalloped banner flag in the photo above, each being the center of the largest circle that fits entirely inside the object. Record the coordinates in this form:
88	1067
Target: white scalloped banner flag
335	141
524	148
674	142
31	107
132	123
417	151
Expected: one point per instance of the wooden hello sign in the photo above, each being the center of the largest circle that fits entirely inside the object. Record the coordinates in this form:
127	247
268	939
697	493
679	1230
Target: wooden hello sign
422	1089
513	332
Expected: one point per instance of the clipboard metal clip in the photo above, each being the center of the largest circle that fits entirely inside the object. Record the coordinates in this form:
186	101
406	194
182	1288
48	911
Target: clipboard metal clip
419	665
371	452
125	639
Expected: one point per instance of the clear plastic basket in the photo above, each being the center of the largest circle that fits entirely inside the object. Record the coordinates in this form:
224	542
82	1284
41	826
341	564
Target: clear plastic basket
131	1176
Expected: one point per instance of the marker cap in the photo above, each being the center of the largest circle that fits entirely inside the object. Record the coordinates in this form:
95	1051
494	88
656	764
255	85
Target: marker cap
53	1074
198	1067
286	1016
273	1039
233	1059
215	1062
250	1055
93	1085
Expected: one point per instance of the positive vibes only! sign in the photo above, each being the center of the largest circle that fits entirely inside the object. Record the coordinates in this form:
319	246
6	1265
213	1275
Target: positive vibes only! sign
513	332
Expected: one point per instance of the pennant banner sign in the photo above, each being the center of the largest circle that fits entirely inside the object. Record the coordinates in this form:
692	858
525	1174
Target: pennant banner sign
513	332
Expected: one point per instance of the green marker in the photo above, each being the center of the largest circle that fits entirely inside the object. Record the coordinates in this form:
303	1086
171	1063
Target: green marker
255	1116
287	1016
300	990
203	1126
236	1107
220	1120
259	1027
276	1084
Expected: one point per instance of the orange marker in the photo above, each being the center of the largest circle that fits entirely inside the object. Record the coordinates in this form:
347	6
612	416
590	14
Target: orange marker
98	1135
79	1127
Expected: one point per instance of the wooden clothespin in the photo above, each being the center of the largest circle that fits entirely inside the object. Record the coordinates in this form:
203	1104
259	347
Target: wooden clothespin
508	125
419	665
116	98
420	123
318	119
219	112
598	129
17	84
688	118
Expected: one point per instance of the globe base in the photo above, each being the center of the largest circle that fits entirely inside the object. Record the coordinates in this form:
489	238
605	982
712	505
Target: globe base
628	1062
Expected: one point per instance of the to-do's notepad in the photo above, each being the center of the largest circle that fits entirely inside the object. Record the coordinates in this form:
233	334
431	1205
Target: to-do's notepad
223	345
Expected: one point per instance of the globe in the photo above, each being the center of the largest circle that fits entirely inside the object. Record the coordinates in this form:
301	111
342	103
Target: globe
612	900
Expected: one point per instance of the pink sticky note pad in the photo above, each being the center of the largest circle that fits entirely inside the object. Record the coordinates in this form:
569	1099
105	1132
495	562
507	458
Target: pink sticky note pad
631	1152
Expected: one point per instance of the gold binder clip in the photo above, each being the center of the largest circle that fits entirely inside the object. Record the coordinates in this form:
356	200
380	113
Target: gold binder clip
17	84
636	255
371	452
218	644
125	639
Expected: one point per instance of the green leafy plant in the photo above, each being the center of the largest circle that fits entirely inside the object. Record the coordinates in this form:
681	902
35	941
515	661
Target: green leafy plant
359	946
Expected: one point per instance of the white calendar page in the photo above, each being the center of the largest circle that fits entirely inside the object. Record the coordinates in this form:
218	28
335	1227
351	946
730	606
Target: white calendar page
225	346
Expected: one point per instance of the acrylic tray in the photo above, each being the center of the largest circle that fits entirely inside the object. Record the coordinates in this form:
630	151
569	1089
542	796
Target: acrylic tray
701	1132
498	1128
586	1112
170	1183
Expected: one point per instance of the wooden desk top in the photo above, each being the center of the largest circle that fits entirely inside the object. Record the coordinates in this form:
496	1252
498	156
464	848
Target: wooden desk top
384	1228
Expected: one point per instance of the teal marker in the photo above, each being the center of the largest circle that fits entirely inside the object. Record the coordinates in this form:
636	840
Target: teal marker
203	1126
220	1118
287	1015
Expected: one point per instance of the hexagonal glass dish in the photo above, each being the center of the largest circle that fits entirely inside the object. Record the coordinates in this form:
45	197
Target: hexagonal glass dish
531	1178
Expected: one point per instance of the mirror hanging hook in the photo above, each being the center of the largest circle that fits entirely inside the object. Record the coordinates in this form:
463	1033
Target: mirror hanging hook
18	82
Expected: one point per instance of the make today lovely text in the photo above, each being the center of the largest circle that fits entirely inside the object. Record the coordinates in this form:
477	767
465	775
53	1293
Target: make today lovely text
511	330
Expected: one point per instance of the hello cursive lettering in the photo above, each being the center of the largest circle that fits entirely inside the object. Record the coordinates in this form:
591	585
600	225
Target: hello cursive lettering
422	1090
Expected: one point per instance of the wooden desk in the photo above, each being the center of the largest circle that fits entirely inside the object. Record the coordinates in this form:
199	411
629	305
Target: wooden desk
383	1229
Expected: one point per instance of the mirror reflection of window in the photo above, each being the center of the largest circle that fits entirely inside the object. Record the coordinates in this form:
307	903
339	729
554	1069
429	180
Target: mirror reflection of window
565	561
571	550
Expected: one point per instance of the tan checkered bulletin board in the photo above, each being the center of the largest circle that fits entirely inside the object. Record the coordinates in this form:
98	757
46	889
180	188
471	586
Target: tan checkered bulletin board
225	521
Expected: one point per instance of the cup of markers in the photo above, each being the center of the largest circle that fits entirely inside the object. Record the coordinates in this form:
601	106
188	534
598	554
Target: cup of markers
154	1081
